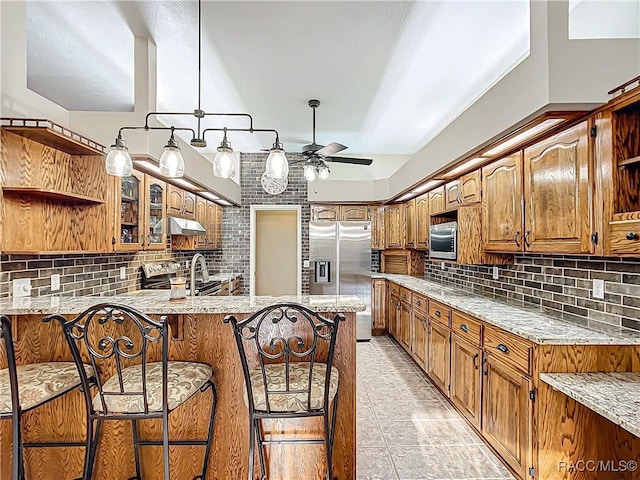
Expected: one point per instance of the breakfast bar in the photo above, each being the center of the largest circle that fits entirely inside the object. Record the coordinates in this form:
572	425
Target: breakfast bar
197	334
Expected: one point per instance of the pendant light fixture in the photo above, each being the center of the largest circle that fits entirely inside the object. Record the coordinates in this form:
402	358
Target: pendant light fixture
323	171
316	168
118	161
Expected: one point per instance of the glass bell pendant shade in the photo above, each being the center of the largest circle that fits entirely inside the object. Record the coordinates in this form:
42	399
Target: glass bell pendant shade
118	161
277	165
172	162
323	172
310	173
224	165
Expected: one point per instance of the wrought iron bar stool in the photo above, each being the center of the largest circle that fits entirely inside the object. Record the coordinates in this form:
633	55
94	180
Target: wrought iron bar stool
25	387
118	341
286	352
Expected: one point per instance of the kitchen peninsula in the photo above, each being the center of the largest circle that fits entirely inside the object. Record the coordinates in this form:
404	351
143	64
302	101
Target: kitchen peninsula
197	334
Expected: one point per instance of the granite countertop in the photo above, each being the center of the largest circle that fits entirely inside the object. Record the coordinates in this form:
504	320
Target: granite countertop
157	302
527	322
613	395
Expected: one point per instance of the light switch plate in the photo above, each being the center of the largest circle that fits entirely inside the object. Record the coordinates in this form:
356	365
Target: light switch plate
22	287
55	302
598	289
55	282
442	265
495	272
123	273
306	264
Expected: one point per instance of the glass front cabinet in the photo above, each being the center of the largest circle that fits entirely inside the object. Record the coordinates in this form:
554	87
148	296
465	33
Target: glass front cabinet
141	214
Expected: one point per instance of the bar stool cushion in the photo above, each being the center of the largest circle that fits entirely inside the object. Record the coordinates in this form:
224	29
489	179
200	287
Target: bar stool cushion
183	380
39	382
298	380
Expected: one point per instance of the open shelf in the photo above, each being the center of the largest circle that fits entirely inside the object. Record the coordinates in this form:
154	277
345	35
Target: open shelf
629	161
54	195
53	135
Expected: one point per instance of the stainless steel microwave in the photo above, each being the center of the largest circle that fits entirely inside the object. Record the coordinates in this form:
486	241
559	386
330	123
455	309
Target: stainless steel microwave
444	241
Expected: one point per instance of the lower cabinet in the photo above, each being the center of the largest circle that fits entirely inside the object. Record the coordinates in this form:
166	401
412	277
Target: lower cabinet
393	316
419	339
405	326
466	379
378	300
439	355
507	413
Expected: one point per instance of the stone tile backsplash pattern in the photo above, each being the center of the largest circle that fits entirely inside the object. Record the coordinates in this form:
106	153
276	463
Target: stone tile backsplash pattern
559	284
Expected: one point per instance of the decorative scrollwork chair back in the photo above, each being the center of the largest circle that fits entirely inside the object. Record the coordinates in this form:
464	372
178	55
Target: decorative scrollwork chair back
115	337
286	334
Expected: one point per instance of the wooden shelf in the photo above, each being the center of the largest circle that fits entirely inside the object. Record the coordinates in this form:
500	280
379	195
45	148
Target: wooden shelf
629	161
54	195
54	135
127	199
129	224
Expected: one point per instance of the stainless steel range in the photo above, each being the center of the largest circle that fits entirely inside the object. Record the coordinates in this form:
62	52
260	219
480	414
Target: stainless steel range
156	275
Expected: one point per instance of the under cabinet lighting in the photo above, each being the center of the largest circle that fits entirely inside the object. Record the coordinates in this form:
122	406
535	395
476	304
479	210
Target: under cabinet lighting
146	165
521	137
426	186
406	196
186	184
223	202
464	167
210	195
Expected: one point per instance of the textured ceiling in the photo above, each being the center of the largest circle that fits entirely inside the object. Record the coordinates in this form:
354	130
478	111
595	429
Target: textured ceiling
390	75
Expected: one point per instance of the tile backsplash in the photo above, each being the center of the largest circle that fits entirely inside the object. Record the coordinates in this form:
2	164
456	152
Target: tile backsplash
560	284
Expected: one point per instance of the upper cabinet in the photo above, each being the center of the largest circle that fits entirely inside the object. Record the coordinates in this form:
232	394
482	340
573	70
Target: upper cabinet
325	212
436	200
557	192
422	222
377	228
209	215
354	213
502	204
394	225
156	213
410	223
181	203
470	187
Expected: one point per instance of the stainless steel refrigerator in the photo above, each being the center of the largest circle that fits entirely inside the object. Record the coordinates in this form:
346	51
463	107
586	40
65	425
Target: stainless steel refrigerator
340	264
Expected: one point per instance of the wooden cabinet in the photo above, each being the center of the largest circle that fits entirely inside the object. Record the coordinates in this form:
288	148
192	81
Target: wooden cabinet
202	241
155	213
405	325
410	223
557	185
466	378
436	200
422	222
130	219
181	203
378	303
325	212
452	195
377	227
507	413
502	205
394	226
419	338
439	355
354	213
470	186
393	316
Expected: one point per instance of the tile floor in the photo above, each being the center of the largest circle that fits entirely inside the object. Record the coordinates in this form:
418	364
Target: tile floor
406	429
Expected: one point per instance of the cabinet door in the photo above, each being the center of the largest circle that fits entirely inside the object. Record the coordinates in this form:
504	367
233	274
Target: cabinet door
380	230
470	188
354	213
394	226
175	201
410	223
218	228
556	193
189	205
405	326
506	413
466	379
419	339
502	205
436	200
378	292
211	225
155	213
394	317
422	222
325	212
201	241
129	229
452	195
439	355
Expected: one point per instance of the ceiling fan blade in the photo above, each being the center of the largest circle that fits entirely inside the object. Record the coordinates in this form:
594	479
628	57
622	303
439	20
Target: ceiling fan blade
330	149
304	160
351	160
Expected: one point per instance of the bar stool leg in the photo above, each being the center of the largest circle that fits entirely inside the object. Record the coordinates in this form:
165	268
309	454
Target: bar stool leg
332	437
252	444
136	447
165	443
214	406
260	437
93	437
17	461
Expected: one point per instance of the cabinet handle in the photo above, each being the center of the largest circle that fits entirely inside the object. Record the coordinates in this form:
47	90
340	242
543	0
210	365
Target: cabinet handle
404	295
475	361
459	197
464	328
485	370
142	240
148	240
438	313
503	348
418	302
632	236
517	238
526	238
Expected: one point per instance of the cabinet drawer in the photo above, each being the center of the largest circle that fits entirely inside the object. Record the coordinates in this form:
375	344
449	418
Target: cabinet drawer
439	312
624	237
420	304
405	295
466	327
510	349
394	289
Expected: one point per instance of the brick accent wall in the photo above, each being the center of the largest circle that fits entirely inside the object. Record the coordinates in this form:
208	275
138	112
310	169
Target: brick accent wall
559	284
375	261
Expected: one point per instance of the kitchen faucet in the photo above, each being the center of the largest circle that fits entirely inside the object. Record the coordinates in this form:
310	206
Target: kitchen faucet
198	257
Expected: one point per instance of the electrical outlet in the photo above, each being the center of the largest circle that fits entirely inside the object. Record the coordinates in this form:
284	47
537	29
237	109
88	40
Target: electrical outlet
55	282
22	287
123	273
496	273
598	289
55	302
442	265
306	264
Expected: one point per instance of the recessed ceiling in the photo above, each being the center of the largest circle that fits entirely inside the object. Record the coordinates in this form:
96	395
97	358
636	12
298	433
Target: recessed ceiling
390	75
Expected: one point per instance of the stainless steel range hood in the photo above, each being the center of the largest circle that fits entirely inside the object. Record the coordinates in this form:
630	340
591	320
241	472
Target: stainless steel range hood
182	226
